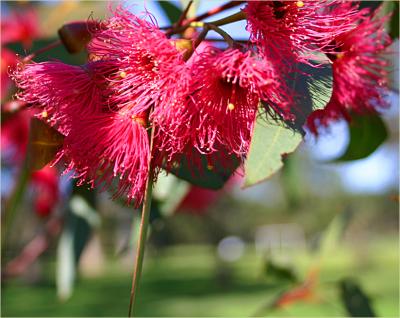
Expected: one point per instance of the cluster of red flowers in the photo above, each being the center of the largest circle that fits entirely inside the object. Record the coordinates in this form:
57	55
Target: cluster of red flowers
136	77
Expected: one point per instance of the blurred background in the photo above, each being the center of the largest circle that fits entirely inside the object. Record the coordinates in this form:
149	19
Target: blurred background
319	238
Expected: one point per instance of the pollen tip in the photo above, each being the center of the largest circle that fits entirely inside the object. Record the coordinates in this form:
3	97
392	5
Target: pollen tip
44	114
300	4
122	74
231	106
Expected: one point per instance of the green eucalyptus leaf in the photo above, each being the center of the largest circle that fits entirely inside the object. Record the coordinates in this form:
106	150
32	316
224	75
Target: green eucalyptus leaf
367	133
313	89
394	22
203	174
269	143
392	26
171	10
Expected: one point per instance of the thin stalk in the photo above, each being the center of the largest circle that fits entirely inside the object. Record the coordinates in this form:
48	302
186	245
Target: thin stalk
144	225
201	37
238	16
228	39
42	50
226	6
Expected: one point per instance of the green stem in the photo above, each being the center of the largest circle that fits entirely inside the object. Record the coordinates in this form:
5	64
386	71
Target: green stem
42	50
144	225
238	16
227	20
222	33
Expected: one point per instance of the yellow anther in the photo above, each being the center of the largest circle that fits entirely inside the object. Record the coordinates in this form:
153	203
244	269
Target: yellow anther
44	114
339	55
300	4
197	24
210	167
122	74
231	106
141	121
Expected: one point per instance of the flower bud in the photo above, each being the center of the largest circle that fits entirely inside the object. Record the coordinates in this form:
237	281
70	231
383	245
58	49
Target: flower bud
76	35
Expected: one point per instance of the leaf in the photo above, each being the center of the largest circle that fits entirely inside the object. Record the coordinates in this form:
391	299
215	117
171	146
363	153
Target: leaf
269	143
313	90
203	174
392	26
171	11
44	143
367	133
373	5
394	22
279	272
355	300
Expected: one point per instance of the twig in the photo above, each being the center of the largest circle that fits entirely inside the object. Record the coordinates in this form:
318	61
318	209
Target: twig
42	50
175	28
227	20
184	14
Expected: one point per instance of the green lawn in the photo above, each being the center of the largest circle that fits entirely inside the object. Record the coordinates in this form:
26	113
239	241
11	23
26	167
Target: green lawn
188	281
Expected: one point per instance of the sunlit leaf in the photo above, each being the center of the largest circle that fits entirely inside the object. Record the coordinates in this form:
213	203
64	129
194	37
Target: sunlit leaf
272	140
269	143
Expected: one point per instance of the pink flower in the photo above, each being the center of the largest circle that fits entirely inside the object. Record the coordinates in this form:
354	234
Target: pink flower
291	31
226	89
102	144
109	146
360	73
59	90
20	26
151	70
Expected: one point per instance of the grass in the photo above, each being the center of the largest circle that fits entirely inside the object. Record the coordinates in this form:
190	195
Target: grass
190	281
